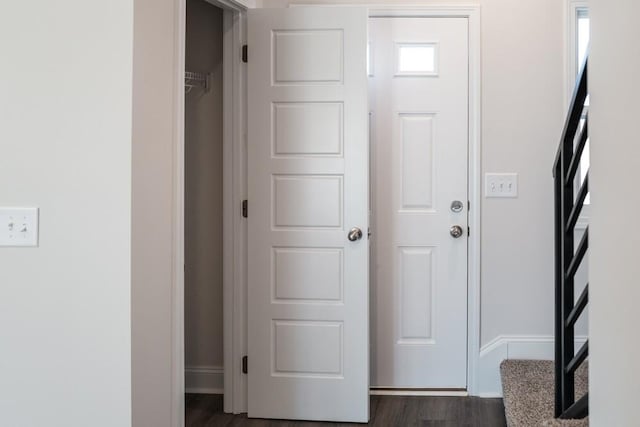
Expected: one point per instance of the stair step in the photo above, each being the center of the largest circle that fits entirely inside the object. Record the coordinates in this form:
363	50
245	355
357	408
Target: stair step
528	389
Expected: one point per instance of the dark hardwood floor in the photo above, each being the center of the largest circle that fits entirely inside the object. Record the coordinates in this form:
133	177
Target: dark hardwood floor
386	411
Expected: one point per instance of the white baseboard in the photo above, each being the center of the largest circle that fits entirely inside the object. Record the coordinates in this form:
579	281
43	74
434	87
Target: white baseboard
210	379
409	392
511	347
204	379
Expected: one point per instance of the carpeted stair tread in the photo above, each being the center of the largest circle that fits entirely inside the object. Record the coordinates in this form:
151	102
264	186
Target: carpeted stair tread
528	389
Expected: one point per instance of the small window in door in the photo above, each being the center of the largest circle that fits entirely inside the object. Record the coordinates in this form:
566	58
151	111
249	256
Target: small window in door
417	59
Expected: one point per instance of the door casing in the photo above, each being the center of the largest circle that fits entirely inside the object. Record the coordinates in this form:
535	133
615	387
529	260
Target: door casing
235	190
472	13
420	341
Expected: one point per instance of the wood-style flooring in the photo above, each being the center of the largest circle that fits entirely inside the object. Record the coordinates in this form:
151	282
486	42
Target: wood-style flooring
386	411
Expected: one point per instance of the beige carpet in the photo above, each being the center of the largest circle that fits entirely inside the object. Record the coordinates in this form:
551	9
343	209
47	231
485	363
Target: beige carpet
528	389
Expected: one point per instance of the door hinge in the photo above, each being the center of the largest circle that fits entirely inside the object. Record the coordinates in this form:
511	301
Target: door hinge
468	205
468	231
245	53
245	363
245	209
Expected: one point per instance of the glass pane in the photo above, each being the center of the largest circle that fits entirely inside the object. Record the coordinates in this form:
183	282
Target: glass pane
417	59
581	52
584	160
368	59
583	36
584	168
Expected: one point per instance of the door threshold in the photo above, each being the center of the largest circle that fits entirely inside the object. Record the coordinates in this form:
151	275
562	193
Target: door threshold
447	392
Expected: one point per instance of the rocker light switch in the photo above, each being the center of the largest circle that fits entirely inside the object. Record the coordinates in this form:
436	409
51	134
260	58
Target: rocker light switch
501	185
18	226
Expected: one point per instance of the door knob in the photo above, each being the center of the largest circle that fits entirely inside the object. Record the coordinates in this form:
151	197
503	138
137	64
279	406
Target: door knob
354	234
455	231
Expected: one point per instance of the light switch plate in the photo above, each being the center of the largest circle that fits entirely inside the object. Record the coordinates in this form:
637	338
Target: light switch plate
501	185
18	226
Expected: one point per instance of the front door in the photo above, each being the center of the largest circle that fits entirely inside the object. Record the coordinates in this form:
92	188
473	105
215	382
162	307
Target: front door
308	294
419	132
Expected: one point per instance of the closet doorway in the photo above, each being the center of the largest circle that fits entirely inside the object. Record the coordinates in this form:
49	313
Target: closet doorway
203	194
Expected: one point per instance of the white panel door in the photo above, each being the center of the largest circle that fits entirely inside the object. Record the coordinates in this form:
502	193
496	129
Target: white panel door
308	296
419	103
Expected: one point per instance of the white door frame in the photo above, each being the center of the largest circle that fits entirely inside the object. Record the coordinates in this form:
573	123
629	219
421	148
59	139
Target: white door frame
473	167
472	13
235	190
177	309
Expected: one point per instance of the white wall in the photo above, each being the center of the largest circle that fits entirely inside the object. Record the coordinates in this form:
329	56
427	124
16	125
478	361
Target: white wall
522	116
65	134
70	298
203	202
614	289
522	121
65	112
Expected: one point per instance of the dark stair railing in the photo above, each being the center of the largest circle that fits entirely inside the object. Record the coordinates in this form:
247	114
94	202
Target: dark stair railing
567	210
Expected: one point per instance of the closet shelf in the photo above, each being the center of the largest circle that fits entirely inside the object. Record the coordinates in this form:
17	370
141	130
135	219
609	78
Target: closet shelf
195	79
